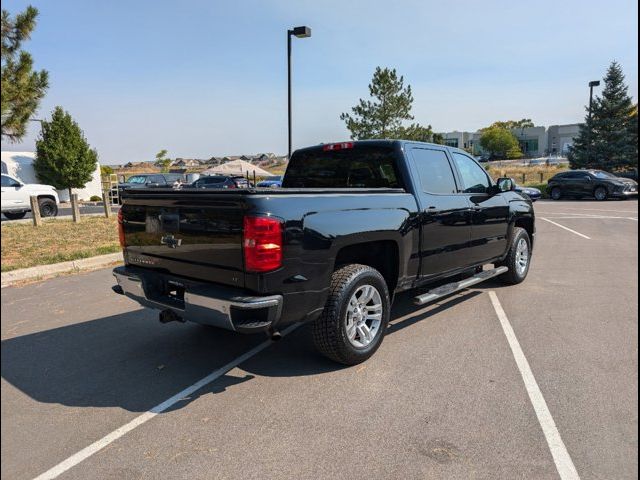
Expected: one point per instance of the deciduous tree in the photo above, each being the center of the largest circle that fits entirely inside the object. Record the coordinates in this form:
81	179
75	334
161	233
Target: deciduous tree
162	161
500	142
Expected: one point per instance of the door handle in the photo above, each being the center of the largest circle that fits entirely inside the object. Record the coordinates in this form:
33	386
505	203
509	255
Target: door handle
432	210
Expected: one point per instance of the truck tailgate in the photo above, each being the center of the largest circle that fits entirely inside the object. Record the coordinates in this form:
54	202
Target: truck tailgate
195	236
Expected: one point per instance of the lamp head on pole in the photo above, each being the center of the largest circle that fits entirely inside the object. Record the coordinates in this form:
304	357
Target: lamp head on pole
301	32
594	83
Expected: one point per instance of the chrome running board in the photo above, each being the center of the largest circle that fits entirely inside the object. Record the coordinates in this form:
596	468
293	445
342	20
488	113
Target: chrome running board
449	288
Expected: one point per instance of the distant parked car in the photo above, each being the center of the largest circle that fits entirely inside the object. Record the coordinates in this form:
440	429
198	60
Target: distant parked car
591	183
533	193
221	181
16	201
271	182
149	180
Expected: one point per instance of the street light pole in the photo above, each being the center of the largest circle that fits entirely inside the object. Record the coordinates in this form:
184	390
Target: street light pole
592	84
300	32
595	83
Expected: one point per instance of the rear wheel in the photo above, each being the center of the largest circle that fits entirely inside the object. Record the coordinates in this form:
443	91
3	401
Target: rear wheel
48	207
556	193
518	258
600	193
355	317
14	215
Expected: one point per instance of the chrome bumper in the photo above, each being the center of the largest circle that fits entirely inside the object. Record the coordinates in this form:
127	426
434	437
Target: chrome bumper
202	303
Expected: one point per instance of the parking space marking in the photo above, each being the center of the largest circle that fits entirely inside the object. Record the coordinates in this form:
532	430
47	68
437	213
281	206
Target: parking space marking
564	464
566	228
592	209
590	217
95	447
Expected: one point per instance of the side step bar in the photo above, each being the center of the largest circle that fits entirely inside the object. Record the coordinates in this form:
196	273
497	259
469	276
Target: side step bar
449	288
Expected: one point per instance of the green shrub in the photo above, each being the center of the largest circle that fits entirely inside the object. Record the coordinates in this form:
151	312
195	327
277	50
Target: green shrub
95	198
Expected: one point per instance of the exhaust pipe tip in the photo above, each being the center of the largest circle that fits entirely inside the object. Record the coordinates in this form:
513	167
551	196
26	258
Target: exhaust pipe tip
275	336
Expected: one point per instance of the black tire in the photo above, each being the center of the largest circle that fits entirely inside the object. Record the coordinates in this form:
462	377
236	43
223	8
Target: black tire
48	207
600	193
14	215
556	193
330	330
516	274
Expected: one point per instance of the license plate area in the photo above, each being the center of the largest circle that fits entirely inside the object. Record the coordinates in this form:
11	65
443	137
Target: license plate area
167	292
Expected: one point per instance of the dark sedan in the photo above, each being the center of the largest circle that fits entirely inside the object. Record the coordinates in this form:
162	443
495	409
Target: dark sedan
271	182
221	181
533	193
591	183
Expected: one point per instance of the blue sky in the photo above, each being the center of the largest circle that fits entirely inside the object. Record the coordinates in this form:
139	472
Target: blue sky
203	78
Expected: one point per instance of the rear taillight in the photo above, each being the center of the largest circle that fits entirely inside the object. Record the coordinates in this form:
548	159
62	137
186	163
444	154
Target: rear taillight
337	146
121	229
262	244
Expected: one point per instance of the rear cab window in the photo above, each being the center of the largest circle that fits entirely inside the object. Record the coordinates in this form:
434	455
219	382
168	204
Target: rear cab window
361	166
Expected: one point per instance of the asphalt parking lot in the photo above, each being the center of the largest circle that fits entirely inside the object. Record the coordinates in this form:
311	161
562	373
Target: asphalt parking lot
89	379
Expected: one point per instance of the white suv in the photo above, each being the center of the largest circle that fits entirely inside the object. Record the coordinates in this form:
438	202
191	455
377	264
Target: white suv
15	198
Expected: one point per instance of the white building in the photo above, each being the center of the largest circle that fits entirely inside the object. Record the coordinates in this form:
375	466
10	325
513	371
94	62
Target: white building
534	141
20	166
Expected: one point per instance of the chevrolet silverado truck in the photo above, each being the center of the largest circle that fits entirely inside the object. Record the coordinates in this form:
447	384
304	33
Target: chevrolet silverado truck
353	224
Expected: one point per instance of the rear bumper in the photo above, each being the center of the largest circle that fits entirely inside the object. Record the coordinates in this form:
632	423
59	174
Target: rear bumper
207	304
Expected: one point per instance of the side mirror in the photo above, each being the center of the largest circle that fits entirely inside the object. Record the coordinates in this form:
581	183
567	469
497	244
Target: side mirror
18	184
506	184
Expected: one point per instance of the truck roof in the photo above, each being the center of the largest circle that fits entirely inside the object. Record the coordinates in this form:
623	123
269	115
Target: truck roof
377	142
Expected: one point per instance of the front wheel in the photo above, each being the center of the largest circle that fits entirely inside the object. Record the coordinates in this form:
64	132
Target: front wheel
556	193
518	258
355	317
600	193
48	207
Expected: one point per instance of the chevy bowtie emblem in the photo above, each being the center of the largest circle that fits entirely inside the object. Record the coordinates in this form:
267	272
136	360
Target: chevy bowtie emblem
171	241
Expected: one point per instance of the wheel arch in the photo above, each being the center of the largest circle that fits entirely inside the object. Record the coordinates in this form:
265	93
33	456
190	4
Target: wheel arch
383	255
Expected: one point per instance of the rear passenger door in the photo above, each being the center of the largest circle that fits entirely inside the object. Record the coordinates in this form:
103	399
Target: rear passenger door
489	211
444	218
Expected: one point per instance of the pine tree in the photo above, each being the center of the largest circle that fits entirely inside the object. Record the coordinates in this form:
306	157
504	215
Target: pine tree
606	140
22	88
63	156
384	116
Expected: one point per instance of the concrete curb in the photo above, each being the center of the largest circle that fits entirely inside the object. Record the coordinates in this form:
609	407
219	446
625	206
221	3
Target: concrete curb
42	272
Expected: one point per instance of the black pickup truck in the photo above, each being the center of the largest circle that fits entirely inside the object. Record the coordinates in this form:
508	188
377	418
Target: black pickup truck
353	224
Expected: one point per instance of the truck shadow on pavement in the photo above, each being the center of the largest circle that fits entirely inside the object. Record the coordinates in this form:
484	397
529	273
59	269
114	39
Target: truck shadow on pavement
132	362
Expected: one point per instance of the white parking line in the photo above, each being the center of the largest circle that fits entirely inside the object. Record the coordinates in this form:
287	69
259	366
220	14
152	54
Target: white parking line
561	457
590	209
566	228
590	217
95	447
